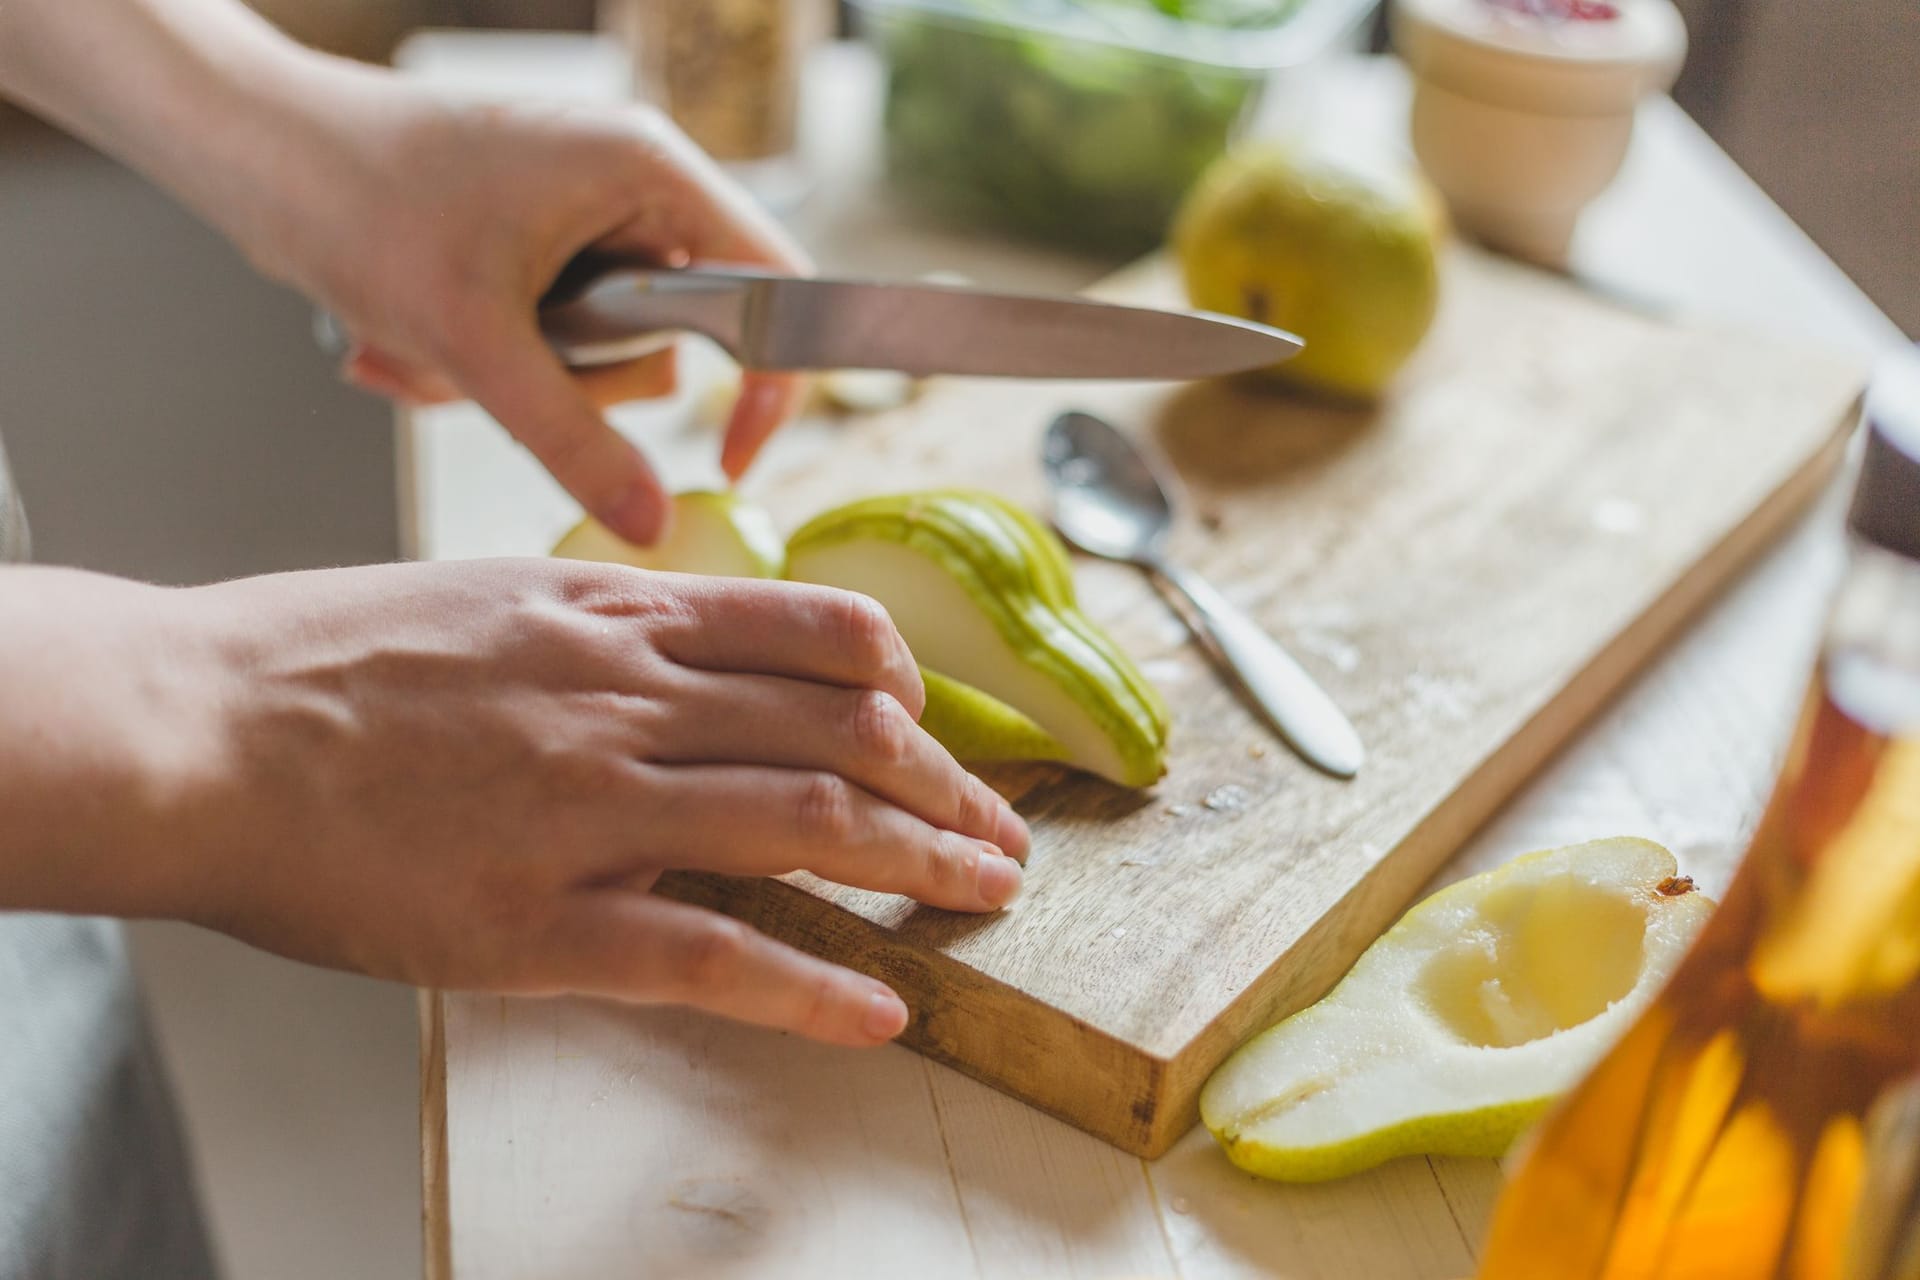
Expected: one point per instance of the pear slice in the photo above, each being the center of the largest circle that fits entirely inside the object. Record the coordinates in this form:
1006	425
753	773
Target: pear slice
866	390
712	533
983	594
1462	1023
978	728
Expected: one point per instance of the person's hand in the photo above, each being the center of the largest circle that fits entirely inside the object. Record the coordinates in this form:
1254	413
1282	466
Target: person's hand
429	227
442	224
468	775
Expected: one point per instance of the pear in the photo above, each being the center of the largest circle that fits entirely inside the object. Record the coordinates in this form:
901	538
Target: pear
712	533
1341	247
978	728
983	594
1462	1023
865	390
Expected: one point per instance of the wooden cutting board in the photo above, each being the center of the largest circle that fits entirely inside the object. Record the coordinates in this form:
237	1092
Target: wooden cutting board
1471	569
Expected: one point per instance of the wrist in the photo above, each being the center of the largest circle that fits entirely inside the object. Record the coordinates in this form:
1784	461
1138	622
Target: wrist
110	747
303	174
255	139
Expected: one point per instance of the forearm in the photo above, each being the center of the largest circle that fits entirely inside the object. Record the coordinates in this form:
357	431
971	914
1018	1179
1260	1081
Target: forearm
203	96
102	742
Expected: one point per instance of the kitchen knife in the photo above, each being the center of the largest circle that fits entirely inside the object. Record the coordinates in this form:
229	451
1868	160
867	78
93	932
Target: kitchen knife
785	322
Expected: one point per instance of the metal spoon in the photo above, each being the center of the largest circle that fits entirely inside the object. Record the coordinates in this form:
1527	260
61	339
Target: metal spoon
1108	501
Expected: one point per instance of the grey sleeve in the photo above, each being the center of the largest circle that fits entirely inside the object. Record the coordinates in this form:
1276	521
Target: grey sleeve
94	1178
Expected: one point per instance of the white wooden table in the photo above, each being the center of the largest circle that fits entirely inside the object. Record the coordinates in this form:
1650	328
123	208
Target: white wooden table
569	1138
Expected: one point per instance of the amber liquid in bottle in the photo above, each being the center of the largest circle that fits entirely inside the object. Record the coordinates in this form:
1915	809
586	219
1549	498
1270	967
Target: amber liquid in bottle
1726	1137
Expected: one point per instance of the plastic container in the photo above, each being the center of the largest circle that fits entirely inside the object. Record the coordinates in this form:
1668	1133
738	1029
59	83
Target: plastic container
1084	121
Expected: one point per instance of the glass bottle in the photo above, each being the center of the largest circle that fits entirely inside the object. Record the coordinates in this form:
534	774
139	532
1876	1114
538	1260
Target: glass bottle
1762	1120
728	72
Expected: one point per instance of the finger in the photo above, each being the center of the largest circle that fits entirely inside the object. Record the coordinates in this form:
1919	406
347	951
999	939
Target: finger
695	213
747	820
792	629
386	374
863	735
512	374
638	947
767	401
646	378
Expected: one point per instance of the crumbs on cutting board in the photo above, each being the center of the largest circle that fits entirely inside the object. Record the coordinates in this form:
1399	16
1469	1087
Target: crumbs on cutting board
1226	799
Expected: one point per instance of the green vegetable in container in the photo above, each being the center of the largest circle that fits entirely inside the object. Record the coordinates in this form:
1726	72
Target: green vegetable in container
1087	139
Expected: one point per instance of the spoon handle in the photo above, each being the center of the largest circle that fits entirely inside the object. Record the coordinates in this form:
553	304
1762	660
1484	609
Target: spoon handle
1297	708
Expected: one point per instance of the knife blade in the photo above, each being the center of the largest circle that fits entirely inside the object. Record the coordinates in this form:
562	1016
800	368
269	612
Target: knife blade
786	322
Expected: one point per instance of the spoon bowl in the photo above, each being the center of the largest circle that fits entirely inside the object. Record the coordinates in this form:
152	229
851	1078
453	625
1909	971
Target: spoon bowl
1110	501
1108	498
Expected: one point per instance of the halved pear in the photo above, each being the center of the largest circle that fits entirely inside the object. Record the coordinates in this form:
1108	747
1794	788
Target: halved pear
718	534
977	728
1462	1023
983	594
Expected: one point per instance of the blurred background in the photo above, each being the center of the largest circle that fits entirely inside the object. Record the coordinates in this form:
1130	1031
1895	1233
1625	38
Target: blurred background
170	417
164	472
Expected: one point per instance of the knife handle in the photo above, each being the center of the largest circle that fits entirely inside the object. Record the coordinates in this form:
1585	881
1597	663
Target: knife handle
610	313
1297	708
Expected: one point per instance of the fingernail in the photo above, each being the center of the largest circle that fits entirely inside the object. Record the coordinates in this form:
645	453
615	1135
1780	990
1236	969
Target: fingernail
1011	834
886	1016
638	515
997	879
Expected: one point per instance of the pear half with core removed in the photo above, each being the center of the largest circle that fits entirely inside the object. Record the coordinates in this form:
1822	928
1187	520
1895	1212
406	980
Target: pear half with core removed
983	595
710	533
1462	1023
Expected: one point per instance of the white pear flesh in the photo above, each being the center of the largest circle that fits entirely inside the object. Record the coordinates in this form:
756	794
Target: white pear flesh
983	594
1462	1023
949	634
866	390
717	534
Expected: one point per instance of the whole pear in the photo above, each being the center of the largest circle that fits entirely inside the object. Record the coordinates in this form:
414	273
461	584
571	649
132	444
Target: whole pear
1341	251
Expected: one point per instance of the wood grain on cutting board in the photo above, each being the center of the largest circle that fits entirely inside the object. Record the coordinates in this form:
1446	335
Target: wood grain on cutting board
1470	568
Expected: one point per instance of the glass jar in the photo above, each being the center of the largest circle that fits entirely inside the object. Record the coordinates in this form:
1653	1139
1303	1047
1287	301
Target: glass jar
1759	1120
728	73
